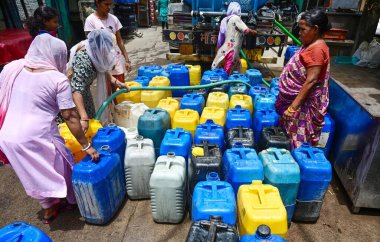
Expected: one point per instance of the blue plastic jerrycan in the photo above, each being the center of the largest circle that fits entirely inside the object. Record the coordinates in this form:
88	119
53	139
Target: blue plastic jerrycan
177	141
256	90
153	71
153	125
211	132
316	174
99	186
283	172
241	166
216	72
264	101
221	72
275	91
193	101
264	118
112	136
290	51
208	79
240	77
141	70
237	88
214	198
143	80
327	135
179	76
238	116
275	82
263	234
22	232
254	76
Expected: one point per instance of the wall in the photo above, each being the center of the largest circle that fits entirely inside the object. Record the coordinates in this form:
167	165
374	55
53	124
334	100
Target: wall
31	5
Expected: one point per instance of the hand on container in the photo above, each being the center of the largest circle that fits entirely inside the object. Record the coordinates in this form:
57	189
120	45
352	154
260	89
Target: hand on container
93	153
252	32
85	124
117	83
289	113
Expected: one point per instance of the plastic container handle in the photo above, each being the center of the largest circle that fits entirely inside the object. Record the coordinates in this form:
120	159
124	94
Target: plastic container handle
240	132
170	156
242	154
177	132
205	148
238	145
262	197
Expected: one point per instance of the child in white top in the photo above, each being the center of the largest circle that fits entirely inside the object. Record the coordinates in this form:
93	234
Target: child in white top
102	19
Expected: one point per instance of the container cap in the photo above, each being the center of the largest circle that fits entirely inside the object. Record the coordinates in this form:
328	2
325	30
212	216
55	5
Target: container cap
198	151
212	176
257	182
263	232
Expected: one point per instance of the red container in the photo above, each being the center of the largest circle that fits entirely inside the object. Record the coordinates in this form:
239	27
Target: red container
335	34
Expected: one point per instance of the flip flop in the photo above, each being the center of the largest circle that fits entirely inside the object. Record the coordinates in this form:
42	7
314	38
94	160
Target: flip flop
51	218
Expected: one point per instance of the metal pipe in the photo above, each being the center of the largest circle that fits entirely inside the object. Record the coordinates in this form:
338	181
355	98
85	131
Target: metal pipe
297	41
24	8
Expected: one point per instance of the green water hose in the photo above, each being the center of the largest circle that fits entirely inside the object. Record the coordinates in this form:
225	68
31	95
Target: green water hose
278	24
297	41
164	88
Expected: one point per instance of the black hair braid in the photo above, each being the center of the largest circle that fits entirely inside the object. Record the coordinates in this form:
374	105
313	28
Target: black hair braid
36	23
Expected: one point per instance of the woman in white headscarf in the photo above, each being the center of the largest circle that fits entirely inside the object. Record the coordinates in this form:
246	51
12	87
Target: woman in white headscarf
231	35
89	60
32	92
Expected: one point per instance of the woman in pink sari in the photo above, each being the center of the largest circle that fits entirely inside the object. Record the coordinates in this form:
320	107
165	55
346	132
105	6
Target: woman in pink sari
32	92
304	93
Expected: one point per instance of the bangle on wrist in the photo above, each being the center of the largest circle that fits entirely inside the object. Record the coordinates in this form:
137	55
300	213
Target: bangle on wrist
291	110
84	119
87	147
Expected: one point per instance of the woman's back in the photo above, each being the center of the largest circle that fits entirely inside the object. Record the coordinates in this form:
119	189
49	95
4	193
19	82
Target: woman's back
35	101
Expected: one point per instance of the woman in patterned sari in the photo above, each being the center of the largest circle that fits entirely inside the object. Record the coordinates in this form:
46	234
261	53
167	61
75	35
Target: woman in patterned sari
92	59
304	94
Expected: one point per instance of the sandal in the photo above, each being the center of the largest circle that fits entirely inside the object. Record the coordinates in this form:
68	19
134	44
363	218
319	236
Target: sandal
51	218
54	214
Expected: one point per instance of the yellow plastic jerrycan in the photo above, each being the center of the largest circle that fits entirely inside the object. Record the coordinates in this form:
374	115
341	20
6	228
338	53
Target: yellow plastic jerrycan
218	99
244	66
245	101
151	98
195	72
261	204
161	81
134	96
169	104
218	115
71	142
187	119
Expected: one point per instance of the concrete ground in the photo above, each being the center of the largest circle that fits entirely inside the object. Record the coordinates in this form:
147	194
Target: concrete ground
134	221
